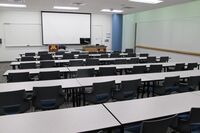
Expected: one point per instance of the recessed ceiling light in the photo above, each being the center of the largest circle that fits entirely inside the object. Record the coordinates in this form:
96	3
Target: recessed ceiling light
12	5
148	1
111	10
66	7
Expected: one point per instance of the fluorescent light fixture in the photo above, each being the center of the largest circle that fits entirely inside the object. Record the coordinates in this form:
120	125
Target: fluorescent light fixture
66	7
12	5
111	10
148	1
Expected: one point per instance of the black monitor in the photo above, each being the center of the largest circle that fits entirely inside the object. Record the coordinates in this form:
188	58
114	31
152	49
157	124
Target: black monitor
85	41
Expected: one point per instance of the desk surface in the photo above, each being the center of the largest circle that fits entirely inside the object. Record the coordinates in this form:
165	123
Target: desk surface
70	120
144	77
37	70
155	107
28	86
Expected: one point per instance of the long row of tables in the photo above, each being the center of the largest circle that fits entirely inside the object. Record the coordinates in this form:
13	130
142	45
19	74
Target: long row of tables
102	116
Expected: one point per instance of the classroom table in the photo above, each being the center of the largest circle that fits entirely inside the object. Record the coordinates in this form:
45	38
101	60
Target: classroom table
71	120
138	110
17	63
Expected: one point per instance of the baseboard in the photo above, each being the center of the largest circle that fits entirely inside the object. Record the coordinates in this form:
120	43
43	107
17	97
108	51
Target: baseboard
169	50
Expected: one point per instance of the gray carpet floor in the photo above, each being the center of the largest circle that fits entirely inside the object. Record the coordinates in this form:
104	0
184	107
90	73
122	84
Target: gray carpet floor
3	68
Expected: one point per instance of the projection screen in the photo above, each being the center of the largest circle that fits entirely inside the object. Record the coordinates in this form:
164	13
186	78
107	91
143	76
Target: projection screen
65	28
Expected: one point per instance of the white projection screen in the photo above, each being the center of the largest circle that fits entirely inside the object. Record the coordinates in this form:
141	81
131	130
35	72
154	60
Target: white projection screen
65	28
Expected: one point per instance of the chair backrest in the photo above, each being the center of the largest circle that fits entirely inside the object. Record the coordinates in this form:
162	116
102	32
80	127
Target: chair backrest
76	63
49	97
191	66
144	55
83	56
158	126
151	59
92	62
104	55
131	55
68	56
18	77
171	81
60	53
120	61
75	52
30	54
102	92
130	87
129	50
49	75
139	69
107	71
133	61
47	64
155	68
27	65
46	57
194	116
194	81
85	73
114	55
11	102
164	59
28	58
179	67
42	53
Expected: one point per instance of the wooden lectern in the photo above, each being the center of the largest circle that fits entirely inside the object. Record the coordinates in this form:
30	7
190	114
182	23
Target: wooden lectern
91	48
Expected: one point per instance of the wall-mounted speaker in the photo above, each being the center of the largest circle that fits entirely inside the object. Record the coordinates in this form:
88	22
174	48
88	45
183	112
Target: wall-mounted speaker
0	41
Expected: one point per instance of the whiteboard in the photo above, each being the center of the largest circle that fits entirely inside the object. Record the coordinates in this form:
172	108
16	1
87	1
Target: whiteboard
177	34
22	34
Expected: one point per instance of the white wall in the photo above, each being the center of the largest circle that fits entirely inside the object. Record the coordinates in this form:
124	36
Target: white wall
9	53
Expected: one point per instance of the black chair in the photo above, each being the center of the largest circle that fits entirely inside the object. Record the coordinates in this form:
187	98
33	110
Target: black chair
151	59
60	53
75	52
68	56
86	73
191	66
30	54
170	85
163	59
49	75
120	61
28	58
129	50
92	62
42	53
107	71
128	90
101	92
83	56
178	67
158	126
46	57
46	98
137	70
191	85
76	63
131	55
18	77
47	64
190	125
114	55
13	102
104	55
133	61
27	65
144	55
155	68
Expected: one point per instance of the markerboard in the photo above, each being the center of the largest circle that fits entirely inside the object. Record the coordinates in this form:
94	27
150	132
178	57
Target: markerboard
177	34
22	34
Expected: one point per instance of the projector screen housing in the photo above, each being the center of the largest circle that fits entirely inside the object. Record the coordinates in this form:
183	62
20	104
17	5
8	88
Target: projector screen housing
65	27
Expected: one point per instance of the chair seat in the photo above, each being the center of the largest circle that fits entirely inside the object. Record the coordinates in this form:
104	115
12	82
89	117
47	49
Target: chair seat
118	95
161	90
